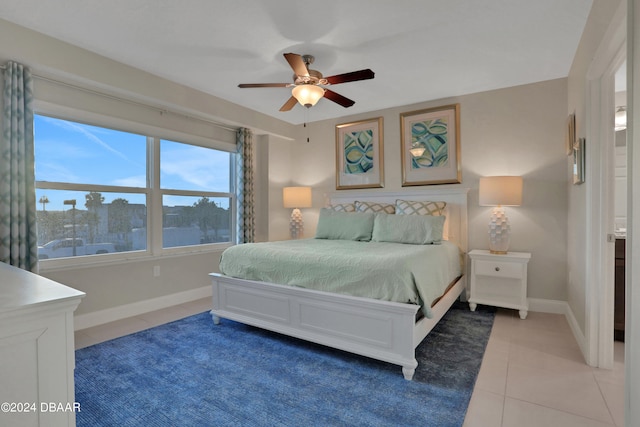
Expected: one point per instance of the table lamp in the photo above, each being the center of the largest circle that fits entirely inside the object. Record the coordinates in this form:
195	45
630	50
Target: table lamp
296	198
499	191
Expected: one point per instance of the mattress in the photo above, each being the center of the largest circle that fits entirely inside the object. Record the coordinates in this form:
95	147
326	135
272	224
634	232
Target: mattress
415	274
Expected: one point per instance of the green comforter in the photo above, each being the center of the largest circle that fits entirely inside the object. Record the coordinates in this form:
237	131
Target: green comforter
385	271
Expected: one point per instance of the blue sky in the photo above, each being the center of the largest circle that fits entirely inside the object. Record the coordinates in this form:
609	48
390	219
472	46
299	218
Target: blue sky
77	153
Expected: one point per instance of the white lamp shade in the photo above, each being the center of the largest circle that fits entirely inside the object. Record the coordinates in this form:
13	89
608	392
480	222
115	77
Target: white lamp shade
307	95
296	197
501	191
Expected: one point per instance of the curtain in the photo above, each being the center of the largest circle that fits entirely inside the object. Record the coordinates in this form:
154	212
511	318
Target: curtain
18	238
245	219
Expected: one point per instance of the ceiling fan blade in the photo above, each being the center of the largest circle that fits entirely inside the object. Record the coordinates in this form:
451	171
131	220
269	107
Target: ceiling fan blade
338	99
289	104
245	85
298	65
351	77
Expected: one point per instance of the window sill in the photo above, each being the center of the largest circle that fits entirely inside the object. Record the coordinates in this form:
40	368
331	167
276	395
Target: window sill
91	261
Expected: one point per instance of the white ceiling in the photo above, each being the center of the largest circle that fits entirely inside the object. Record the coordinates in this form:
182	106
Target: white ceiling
420	50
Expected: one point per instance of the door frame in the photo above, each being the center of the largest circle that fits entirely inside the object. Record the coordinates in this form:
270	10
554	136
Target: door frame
600	174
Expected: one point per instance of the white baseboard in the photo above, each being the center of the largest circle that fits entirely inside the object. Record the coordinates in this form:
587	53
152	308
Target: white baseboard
548	306
88	320
561	307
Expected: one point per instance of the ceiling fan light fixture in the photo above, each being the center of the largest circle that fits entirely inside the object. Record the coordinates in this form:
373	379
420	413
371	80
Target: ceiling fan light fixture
307	95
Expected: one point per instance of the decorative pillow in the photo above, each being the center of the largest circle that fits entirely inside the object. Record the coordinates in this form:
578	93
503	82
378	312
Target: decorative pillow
345	225
343	207
411	229
387	208
409	207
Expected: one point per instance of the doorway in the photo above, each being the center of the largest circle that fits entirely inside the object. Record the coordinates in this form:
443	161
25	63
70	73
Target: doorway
620	209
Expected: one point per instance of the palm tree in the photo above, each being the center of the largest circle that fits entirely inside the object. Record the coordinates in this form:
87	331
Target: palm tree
93	202
44	200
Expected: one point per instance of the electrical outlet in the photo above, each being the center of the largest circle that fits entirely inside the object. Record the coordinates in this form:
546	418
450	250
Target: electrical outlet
156	270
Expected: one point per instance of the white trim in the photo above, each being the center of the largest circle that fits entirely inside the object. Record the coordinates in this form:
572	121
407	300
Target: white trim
632	331
88	320
598	344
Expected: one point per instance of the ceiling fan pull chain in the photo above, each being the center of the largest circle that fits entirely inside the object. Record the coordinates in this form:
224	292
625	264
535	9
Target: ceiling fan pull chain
306	120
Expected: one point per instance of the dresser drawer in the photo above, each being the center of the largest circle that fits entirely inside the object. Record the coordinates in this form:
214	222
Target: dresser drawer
498	269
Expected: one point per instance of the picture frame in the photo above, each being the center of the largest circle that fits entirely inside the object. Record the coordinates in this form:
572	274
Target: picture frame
360	154
430	140
579	161
570	137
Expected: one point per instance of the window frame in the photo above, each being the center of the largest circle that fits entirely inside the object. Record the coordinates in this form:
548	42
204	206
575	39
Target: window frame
152	192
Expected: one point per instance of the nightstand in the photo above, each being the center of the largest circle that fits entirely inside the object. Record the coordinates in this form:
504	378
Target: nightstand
499	280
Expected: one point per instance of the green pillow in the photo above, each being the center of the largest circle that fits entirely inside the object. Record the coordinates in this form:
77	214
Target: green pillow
344	225
412	229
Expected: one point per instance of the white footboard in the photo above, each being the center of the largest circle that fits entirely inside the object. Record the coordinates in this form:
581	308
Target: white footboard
381	330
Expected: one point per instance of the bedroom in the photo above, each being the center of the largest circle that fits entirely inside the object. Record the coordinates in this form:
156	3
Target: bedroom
498	137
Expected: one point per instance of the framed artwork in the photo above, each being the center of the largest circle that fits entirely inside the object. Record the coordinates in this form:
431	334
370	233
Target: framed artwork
359	154
431	146
570	138
578	161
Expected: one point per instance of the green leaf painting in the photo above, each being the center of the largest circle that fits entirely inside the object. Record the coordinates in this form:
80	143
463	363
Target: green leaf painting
358	151
432	135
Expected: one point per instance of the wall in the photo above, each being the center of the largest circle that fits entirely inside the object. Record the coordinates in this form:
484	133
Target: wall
599	18
517	130
513	131
128	282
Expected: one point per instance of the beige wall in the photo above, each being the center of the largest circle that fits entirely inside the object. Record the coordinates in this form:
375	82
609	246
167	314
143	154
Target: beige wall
517	130
513	131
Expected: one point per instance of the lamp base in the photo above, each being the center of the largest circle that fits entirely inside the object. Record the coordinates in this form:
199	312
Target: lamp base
499	231
296	226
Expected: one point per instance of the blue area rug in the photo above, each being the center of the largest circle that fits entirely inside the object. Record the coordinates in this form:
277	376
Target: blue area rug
194	373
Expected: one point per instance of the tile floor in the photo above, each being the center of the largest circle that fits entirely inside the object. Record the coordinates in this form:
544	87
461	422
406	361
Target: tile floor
532	374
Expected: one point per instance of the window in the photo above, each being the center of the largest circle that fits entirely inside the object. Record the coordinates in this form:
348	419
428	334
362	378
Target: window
196	200
96	194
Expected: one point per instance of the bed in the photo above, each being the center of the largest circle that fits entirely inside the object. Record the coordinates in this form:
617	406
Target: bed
383	327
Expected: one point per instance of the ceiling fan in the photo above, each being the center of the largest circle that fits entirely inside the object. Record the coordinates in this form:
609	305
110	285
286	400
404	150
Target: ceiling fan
307	83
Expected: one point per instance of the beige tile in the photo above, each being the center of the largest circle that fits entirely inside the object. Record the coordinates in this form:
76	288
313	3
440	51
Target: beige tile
614	397
485	410
503	326
545	322
83	340
492	376
160	317
497	348
618	352
524	414
574	392
615	375
197	306
116	329
548	357
544	340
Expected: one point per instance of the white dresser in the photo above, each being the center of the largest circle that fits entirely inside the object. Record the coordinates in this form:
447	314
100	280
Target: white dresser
37	355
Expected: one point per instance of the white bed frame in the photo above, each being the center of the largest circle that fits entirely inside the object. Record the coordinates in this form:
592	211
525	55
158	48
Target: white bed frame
381	330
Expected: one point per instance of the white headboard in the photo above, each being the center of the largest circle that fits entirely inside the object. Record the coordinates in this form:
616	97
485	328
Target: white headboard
456	211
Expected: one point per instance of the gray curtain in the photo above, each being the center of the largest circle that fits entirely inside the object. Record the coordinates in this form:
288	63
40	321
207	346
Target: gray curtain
245	220
18	237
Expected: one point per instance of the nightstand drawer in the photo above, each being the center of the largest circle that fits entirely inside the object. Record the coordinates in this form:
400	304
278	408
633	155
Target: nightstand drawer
498	269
